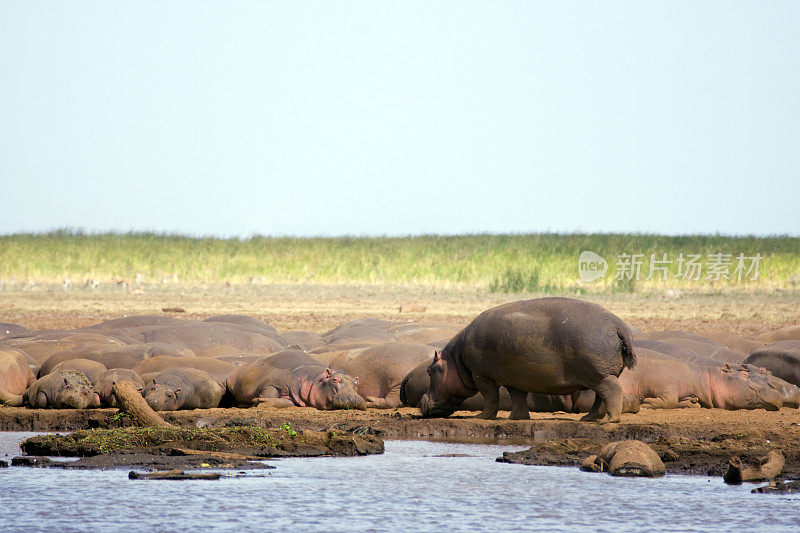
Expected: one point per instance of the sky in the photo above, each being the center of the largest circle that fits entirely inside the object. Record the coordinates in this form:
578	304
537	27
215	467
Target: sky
400	118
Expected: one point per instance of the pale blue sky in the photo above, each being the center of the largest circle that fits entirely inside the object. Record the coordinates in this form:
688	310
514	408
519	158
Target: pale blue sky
330	118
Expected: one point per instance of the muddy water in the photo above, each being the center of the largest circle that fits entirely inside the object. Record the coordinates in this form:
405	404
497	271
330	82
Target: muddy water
414	486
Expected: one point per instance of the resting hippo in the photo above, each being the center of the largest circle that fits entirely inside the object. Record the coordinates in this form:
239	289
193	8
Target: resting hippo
117	357
7	329
65	389
106	382
15	376
546	346
183	388
207	339
663	383
91	369
782	358
789	333
219	370
625	458
381	370
293	377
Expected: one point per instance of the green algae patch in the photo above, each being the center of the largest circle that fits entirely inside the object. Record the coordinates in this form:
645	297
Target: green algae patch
245	440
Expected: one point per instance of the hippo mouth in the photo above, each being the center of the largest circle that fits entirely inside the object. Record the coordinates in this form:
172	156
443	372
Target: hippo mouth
348	401
431	409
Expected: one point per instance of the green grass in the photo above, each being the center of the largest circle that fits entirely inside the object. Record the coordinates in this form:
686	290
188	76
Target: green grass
535	263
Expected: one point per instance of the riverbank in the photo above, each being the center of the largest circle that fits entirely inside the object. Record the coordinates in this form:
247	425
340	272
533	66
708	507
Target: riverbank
690	441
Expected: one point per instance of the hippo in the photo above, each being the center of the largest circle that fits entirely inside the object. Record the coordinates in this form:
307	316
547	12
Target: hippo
15	377
547	346
416	384
672	351
65	389
305	340
663	383
734	342
105	384
8	329
782	358
41	347
424	332
720	354
249	323
293	377
207	339
116	357
381	370
219	370
788	333
91	369
632	458
183	388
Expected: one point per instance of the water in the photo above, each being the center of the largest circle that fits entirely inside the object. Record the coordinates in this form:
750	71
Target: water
411	487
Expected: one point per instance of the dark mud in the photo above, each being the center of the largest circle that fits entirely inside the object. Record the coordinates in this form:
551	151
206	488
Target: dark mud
689	441
239	447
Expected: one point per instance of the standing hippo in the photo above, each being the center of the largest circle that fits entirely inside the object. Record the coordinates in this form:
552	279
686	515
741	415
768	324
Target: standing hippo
293	377
183	388
65	389
546	346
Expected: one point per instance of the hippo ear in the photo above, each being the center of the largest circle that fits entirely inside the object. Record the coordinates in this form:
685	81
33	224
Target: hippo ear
437	356
177	391
355	382
66	382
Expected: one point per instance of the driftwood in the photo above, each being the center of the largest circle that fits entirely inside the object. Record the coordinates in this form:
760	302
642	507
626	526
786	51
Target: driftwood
219	455
172	474
130	401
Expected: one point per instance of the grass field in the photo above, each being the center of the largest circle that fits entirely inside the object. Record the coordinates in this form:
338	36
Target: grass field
534	263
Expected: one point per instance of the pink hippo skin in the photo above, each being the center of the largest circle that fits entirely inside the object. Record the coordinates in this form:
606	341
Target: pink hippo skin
664	383
64	389
291	378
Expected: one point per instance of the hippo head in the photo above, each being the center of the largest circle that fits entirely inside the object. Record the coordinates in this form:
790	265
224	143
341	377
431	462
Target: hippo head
76	392
446	390
334	389
788	392
745	388
162	398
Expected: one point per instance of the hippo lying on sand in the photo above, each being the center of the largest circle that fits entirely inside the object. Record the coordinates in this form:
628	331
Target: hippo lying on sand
15	376
782	358
183	388
668	384
546	346
290	378
65	389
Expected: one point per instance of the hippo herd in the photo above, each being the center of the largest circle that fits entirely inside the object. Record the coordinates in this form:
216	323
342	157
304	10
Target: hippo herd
546	354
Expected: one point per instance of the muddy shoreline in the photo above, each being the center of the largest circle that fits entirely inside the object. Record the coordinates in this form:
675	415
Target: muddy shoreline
690	441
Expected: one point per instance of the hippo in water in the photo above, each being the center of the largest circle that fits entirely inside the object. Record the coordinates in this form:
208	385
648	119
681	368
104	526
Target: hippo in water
65	389
293	377
546	346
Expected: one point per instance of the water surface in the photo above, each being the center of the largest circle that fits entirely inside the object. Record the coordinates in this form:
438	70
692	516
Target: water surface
414	486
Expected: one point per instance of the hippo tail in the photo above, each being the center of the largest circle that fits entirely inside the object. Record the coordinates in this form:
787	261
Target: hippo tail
628	357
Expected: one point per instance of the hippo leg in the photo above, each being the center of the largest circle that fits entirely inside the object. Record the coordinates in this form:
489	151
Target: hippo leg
519	404
608	400
491	397
661	403
272	402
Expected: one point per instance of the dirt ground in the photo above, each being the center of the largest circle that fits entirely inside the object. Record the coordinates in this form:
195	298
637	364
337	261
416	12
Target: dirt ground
697	441
321	307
